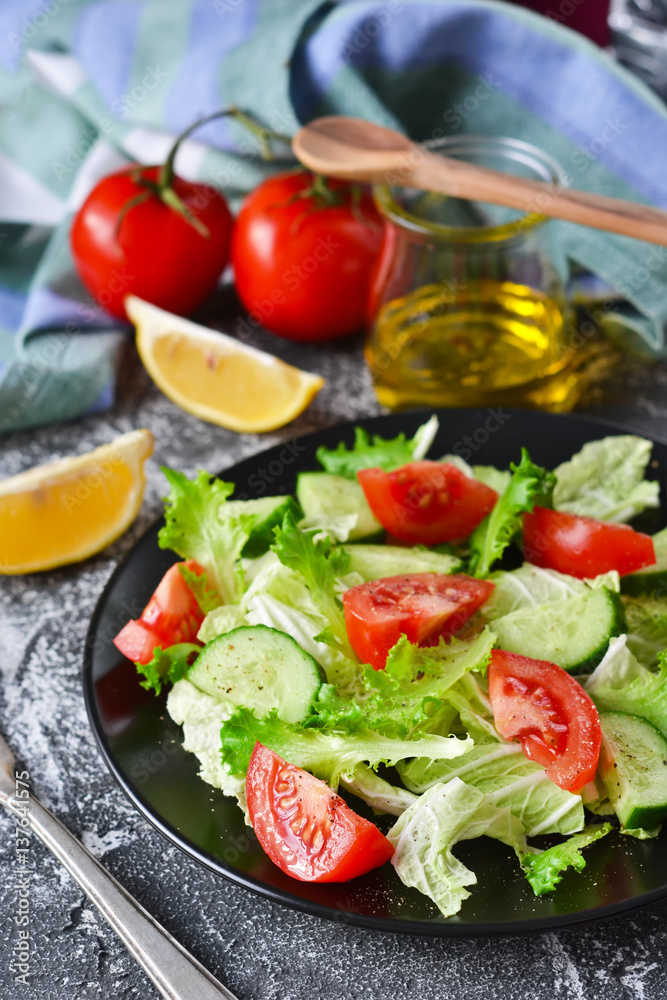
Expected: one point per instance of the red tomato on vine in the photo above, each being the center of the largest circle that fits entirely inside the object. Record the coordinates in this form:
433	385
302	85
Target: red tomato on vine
303	252
144	231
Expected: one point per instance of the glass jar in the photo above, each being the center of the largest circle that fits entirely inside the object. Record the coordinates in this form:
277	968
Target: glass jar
468	305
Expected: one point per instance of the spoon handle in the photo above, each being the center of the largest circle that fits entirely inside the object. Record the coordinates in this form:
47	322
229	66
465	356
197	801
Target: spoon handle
176	974
464	180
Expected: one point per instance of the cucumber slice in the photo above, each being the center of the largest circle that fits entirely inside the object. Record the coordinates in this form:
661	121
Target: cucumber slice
267	513
573	633
633	765
375	561
260	668
322	495
651	581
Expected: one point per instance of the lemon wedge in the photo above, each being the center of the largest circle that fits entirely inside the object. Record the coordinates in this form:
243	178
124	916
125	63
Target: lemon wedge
215	377
67	510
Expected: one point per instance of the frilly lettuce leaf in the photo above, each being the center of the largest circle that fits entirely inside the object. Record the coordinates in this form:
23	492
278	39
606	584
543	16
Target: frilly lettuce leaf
529	485
409	697
545	870
376	452
168	665
320	565
605	480
207	598
325	753
197	527
279	597
413	688
423	838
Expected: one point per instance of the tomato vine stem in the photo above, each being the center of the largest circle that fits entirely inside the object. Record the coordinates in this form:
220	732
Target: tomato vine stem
163	186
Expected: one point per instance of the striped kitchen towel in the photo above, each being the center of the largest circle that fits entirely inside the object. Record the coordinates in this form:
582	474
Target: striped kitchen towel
87	86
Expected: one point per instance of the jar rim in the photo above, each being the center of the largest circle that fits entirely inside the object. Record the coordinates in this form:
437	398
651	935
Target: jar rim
547	168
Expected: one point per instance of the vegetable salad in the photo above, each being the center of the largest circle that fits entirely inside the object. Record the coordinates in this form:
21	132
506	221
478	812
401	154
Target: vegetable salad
356	638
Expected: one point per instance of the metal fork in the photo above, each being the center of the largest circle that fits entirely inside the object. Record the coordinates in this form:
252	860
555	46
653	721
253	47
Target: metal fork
176	974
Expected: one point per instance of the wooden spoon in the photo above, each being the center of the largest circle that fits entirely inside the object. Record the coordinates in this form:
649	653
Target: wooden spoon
357	150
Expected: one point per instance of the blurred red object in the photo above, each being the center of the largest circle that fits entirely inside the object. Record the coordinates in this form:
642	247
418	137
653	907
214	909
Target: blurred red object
586	16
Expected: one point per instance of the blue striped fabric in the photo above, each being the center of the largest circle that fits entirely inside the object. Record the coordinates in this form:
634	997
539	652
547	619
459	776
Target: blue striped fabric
88	86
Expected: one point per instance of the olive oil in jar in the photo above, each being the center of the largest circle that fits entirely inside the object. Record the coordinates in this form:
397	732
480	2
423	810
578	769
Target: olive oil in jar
468	302
490	341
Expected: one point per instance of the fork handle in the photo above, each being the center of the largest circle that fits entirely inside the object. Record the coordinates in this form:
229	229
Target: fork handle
176	974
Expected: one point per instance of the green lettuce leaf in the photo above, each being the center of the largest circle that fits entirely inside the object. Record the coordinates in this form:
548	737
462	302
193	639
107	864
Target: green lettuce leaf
529	586
509	780
279	597
605	480
221	620
320	564
376	452
412	690
380	795
647	628
168	665
470	699
529	485
197	527
424	835
620	683
545	870
496	479
409	697
326	753
207	598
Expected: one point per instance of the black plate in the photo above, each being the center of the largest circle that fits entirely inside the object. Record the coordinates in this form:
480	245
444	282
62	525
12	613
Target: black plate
142	746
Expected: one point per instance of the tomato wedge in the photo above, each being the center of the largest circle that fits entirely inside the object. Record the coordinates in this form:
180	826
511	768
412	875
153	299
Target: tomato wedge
172	615
582	546
305	828
550	714
421	606
426	503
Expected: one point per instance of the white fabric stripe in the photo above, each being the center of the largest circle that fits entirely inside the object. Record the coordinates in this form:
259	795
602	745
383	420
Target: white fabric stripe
148	146
60	73
102	159
25	199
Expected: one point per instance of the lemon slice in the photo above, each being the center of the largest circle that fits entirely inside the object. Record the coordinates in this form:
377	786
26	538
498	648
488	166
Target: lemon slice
214	376
69	509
